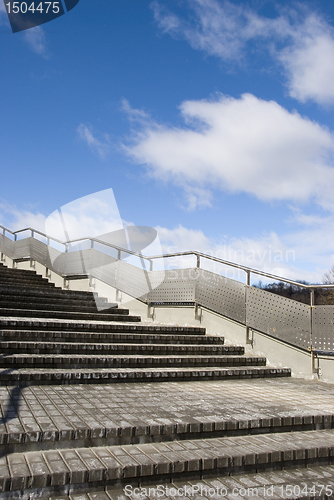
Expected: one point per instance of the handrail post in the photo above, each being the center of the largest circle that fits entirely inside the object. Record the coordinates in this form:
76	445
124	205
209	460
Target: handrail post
249	340
198	261
314	368
151	264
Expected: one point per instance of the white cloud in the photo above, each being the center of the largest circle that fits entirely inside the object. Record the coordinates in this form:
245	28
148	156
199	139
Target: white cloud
35	37
309	62
100	147
269	253
220	29
225	30
242	145
15	219
304	254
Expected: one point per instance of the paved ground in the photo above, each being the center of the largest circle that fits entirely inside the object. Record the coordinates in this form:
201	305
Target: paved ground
314	482
159	406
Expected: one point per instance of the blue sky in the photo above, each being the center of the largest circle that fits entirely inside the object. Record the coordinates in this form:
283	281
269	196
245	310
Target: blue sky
210	120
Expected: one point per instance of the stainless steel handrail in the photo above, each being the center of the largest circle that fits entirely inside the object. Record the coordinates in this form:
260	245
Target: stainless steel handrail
247	270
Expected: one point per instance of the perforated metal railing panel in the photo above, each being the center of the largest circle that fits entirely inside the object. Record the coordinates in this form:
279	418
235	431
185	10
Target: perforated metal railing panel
222	295
7	246
103	267
38	251
323	328
132	280
283	318
22	248
176	286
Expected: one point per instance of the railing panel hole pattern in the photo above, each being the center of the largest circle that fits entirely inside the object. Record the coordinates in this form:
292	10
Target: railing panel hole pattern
283	318
176	286
7	246
279	317
323	328
132	280
221	295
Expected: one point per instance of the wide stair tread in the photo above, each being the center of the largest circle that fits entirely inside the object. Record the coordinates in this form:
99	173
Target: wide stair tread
173	460
12	376
83	339
29	347
73	315
311	482
93	361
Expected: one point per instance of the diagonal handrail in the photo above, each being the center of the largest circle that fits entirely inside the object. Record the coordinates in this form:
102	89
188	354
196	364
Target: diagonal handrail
246	269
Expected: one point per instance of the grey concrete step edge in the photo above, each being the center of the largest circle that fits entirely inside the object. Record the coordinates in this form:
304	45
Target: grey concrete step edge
60	302
40	313
16	347
173	460
55	306
37	291
48	295
92	362
34	280
66	433
126	360
43	324
315	482
91	339
50	298
40	376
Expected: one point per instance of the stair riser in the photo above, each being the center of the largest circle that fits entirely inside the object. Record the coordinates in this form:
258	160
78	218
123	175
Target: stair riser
59	305
16	291
130	362
115	338
87	300
153	350
120	376
108	316
64	481
21	280
79	328
21	442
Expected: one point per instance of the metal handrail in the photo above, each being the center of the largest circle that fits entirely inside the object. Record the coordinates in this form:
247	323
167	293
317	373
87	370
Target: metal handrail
247	270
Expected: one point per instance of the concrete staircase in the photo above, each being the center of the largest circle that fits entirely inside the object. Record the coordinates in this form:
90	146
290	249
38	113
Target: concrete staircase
49	335
69	429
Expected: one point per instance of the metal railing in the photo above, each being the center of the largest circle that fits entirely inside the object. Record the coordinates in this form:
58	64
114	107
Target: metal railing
309	327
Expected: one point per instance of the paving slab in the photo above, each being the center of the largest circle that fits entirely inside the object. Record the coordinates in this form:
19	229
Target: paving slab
42	417
176	461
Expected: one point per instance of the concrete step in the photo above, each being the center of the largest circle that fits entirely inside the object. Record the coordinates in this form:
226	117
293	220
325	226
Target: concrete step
16	347
301	483
113	338
94	361
19	285
20	279
60	305
40	376
10	273
58	471
13	290
54	294
45	327
108	315
65	416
